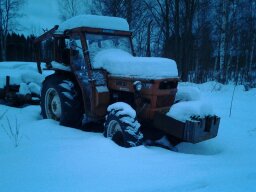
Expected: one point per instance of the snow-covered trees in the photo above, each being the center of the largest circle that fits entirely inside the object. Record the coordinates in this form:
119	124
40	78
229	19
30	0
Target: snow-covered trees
208	39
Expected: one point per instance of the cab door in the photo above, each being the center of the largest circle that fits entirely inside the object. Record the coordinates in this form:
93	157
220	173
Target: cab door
81	69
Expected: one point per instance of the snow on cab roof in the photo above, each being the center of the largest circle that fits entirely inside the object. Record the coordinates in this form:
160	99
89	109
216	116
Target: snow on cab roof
95	21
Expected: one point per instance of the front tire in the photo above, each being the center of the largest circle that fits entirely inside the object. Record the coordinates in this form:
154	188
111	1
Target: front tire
61	101
122	128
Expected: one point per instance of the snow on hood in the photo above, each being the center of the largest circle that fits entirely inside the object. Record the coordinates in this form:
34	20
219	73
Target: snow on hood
95	21
120	63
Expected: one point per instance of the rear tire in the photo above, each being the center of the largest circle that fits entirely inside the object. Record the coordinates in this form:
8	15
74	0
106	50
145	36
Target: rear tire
61	101
123	129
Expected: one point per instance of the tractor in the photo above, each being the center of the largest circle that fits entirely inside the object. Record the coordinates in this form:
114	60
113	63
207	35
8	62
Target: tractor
96	77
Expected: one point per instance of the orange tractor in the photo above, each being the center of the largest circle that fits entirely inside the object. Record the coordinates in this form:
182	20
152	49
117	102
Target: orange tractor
98	78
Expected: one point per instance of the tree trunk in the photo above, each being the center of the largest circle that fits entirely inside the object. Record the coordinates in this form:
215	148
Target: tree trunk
177	31
129	11
223	40
252	53
1	31
148	52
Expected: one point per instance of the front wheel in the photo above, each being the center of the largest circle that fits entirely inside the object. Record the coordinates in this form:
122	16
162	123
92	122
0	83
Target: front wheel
122	127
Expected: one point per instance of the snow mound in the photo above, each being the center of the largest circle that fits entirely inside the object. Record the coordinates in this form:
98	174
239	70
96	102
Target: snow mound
212	86
188	93
95	21
184	110
120	63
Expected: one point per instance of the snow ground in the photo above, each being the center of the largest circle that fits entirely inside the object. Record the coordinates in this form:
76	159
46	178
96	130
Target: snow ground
50	157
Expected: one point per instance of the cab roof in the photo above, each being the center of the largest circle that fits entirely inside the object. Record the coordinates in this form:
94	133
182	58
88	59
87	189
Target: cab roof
94	21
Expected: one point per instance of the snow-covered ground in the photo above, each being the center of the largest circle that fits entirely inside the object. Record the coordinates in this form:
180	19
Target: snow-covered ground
50	157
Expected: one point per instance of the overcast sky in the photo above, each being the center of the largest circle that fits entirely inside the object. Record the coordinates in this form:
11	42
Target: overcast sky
38	15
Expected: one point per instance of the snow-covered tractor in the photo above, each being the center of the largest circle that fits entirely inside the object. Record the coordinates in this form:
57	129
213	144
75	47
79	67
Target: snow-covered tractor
98	78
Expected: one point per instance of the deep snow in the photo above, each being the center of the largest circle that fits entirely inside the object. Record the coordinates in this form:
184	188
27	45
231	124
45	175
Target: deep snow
55	158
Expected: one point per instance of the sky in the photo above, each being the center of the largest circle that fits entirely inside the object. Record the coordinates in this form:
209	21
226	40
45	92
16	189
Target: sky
39	15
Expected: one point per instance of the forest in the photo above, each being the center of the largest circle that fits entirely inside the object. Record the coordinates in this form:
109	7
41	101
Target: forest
209	40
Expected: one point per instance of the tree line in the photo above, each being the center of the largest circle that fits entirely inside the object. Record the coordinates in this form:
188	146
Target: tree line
209	39
19	47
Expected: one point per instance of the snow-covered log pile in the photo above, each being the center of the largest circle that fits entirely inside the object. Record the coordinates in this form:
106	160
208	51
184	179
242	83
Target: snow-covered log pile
24	74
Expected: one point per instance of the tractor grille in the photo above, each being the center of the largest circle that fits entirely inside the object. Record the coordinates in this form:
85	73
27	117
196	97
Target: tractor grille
168	85
164	101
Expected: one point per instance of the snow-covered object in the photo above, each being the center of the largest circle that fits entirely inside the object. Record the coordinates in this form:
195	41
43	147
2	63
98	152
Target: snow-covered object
123	108
60	66
184	110
102	89
188	93
34	88
24	89
95	21
24	74
120	63
29	88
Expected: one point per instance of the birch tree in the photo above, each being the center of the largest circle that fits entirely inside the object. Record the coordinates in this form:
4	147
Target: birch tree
223	39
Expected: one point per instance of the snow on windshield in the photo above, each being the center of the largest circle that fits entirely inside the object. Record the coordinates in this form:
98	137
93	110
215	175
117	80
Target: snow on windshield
95	21
99	42
121	63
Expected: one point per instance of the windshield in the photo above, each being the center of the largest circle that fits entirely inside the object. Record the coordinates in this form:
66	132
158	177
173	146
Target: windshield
99	42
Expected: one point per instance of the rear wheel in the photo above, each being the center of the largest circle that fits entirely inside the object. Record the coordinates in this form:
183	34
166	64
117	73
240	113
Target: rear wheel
122	128
61	101
52	104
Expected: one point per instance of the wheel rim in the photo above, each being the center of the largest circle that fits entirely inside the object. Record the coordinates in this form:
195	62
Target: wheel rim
52	104
115	132
113	128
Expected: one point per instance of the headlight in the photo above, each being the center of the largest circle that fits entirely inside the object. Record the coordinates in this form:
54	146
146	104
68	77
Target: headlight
137	85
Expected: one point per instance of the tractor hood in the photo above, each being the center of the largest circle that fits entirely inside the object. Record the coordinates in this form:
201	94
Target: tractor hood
120	63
